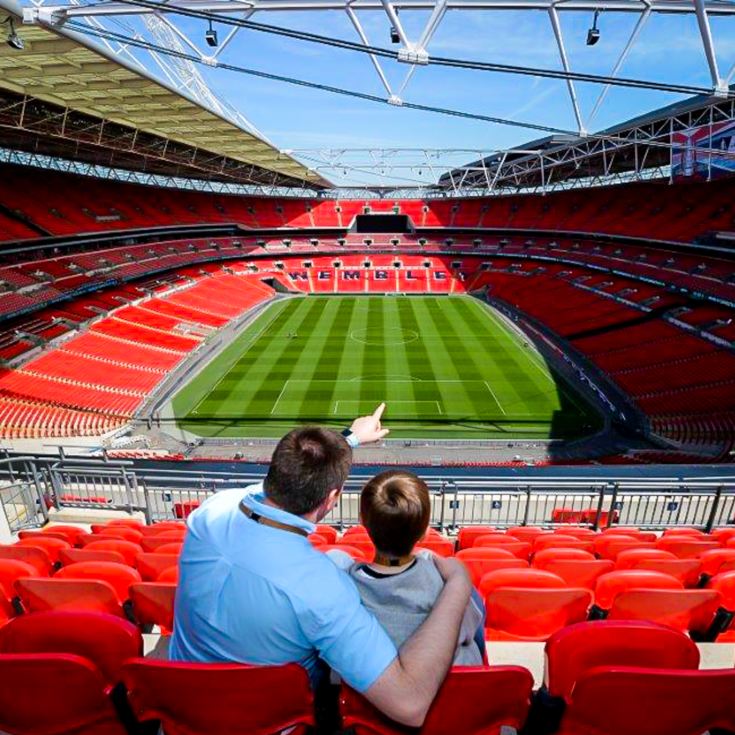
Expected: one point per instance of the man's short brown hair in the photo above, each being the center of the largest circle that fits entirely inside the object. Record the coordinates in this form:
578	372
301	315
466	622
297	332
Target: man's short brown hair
396	509
305	466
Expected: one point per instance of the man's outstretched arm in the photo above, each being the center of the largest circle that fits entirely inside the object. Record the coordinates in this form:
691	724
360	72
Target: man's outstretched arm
406	689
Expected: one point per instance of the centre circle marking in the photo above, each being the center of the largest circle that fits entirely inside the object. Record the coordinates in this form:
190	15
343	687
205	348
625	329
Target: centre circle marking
390	336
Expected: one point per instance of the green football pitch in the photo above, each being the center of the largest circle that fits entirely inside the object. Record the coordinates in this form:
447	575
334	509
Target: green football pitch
446	366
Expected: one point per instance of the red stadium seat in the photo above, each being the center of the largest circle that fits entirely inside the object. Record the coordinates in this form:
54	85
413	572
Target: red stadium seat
545	555
468	534
724	583
461	706
11	570
122	532
437	545
634	701
128	522
106	640
72	556
682	547
328	532
220	699
579	572
685	610
32	555
41	594
153	604
172	549
527	533
687	571
561	541
150	565
356	541
527	578
610	585
576	531
50	545
43	534
317	540
171	574
723	535
608	546
566	515
127	549
118	576
153	543
54	693
711	561
521	549
481	560
629	558
162	527
359	529
684	531
71	533
517	613
575	650
185	509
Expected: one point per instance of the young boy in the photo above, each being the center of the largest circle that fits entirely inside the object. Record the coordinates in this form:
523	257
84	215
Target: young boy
400	587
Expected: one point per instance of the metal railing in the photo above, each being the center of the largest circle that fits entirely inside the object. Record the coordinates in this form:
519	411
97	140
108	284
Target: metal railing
652	504
24	493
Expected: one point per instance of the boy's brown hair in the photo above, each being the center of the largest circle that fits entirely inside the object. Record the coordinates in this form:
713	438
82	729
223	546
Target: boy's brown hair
395	508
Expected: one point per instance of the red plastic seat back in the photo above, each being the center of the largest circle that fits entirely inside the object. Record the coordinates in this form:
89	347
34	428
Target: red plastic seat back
122	532
573	651
611	701
127	549
328	532
530	578
541	558
73	556
684	531
71	533
150	565
118	576
521	549
514	613
685	548
32	555
219	699
153	604
629	558
685	610
362	543
171	548
54	693
687	571
562	541
724	583
468	534
712	560
527	533
41	594
614	583
463	704
12	570
106	640
437	545
480	561
580	572
50	545
577	532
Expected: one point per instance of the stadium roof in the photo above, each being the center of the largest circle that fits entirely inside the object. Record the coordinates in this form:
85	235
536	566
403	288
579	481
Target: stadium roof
634	146
64	95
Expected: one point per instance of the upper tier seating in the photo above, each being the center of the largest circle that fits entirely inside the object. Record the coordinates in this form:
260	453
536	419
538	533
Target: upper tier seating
654	210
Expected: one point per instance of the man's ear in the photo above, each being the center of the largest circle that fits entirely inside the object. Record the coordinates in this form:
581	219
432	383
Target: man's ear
333	497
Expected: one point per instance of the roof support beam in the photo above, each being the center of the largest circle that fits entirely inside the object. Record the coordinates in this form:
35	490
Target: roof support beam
720	87
556	26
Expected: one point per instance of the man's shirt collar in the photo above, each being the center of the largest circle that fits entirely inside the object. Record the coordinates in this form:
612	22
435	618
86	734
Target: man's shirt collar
255	500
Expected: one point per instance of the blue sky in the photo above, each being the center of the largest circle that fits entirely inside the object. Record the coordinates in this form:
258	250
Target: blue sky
669	49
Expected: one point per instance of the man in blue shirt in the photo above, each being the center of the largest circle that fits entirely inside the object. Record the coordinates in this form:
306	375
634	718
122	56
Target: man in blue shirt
252	588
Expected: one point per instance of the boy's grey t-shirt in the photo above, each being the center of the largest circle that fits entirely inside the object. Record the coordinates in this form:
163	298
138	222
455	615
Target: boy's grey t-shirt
401	602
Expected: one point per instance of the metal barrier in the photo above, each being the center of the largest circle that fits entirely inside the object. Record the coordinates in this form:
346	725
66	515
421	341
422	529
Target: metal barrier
24	493
652	504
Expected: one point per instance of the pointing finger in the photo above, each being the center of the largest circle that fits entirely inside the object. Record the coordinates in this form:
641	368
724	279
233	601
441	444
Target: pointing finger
379	411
